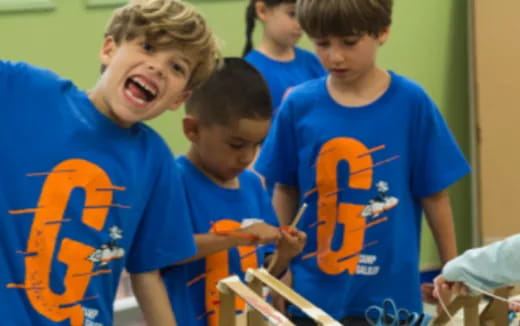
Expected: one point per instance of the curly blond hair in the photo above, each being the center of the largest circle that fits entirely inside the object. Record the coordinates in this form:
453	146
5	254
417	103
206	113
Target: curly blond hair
169	24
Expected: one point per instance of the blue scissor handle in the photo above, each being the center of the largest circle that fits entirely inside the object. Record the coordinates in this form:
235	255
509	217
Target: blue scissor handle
377	311
387	315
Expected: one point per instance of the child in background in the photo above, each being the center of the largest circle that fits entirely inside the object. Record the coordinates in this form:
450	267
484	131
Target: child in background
368	150
282	64
232	216
86	188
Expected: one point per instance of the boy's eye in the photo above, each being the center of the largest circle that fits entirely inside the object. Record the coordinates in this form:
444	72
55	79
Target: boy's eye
292	14
178	68
350	42
322	43
147	47
236	146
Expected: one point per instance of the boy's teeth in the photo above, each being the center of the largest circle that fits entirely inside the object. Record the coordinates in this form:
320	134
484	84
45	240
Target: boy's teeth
143	85
135	98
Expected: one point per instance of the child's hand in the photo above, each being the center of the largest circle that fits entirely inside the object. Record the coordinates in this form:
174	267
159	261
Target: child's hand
291	242
262	233
444	287
428	293
444	290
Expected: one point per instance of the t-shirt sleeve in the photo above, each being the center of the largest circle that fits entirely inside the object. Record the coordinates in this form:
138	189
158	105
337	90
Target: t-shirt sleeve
278	159
165	235
437	161
20	80
489	267
14	77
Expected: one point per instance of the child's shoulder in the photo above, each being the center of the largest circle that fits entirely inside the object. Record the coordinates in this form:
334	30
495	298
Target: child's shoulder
304	53
183	164
308	91
256	57
153	144
30	77
407	86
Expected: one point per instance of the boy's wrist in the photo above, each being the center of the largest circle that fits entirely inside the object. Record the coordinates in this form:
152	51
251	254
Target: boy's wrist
285	257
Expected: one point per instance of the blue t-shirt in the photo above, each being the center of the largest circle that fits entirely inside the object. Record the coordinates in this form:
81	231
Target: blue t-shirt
80	199
362	172
281	76
192	286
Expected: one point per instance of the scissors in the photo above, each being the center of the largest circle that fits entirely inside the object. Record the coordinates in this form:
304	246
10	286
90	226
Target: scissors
389	315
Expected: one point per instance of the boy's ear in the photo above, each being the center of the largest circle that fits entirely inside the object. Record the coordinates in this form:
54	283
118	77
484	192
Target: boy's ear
383	36
261	10
190	127
183	97
107	50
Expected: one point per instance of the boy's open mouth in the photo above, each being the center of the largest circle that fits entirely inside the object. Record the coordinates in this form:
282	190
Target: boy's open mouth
140	90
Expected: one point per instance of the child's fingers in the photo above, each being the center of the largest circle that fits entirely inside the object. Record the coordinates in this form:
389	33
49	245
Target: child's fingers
427	293
439	281
459	288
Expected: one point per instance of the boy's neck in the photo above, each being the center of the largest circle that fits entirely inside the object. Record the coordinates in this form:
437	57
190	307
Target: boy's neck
103	107
362	91
276	50
193	156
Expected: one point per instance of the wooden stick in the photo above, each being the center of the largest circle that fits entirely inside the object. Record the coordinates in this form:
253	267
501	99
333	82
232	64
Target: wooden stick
468	303
295	222
497	311
315	313
231	286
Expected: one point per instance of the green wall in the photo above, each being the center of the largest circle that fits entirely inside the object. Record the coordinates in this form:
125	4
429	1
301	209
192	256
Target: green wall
428	44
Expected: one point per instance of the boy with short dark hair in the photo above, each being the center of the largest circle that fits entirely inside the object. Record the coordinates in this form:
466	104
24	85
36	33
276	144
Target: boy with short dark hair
226	121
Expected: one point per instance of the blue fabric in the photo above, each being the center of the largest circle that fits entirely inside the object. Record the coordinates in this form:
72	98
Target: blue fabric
80	199
362	172
208	203
281	76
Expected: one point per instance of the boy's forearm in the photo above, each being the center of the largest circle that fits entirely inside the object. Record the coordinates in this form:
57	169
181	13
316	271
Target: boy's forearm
439	215
210	243
150	292
285	202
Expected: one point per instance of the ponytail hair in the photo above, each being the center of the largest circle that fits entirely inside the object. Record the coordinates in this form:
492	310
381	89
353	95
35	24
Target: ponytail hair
251	20
250	26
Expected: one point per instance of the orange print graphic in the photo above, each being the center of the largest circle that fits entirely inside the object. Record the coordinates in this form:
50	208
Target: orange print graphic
217	268
42	243
331	212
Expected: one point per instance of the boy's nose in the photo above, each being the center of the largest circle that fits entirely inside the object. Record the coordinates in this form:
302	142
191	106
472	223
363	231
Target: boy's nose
156	68
247	157
298	26
335	55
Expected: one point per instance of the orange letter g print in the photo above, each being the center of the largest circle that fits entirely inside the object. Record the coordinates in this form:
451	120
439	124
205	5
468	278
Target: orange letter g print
42	243
332	213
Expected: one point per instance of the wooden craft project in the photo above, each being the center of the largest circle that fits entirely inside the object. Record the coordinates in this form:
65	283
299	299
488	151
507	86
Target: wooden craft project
256	278
495	313
232	286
